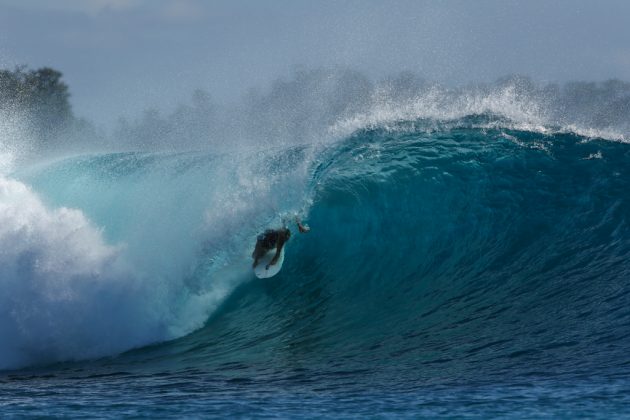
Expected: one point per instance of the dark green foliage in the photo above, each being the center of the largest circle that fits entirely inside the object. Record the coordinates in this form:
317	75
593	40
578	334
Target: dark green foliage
40	97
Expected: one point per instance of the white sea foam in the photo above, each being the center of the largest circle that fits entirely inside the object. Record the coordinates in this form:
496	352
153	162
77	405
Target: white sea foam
68	294
64	294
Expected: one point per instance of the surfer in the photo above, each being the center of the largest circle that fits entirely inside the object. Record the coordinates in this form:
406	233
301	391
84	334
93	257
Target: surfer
274	238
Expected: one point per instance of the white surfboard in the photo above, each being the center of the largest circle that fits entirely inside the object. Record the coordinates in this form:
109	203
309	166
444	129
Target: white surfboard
261	269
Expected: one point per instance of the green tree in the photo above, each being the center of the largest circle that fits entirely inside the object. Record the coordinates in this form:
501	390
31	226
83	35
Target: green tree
41	96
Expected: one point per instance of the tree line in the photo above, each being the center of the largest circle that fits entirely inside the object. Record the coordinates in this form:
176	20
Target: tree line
295	109
40	96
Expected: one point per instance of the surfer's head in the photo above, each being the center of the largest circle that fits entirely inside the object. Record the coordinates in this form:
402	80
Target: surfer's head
287	233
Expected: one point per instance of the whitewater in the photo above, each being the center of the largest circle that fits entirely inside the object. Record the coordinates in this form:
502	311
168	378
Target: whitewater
467	250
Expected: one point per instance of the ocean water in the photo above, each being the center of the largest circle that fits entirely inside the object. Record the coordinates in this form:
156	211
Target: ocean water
469	265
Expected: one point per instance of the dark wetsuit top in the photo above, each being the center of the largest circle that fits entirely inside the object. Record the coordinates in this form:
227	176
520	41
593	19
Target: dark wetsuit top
269	239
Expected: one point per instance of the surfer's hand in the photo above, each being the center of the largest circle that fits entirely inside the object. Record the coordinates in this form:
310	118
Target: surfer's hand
302	228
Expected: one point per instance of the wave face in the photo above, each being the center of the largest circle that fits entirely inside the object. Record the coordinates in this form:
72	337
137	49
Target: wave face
463	254
440	253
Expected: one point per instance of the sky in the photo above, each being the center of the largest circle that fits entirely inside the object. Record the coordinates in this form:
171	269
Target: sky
120	57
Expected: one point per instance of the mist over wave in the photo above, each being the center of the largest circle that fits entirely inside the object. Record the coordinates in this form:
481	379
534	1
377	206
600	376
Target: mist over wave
312	106
139	236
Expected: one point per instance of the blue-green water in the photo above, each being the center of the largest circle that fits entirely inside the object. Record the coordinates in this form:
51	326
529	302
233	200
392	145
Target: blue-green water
458	269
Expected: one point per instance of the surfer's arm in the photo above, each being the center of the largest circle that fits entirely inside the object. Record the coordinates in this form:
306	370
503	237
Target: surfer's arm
302	228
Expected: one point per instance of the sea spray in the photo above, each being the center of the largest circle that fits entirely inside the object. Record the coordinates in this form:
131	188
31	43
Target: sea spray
123	250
